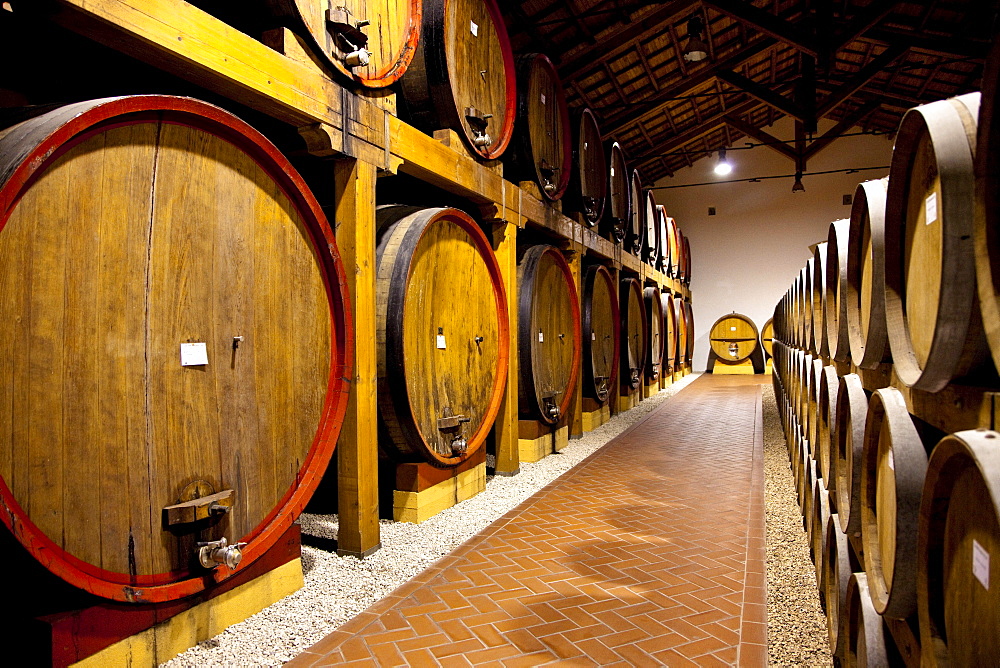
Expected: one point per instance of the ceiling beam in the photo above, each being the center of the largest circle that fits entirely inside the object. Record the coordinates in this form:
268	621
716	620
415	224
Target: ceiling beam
763	137
842	126
945	46
859	80
767	23
762	93
861	23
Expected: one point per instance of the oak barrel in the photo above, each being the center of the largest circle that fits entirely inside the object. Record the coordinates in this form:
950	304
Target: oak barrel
669	332
852	417
733	338
932	306
463	76
588	186
958	547
176	326
548	334
986	209
634	230
673	248
654	329
618	210
600	320
685	262
835	303
806	305
541	150
893	467
767	337
866	326
838	564
688	331
826	429
667	255
369	43
441	368
818	342
634	337
869	642
683	332
650	223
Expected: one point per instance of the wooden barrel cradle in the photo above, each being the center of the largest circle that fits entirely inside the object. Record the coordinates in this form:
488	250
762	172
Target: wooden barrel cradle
865	294
986	205
838	342
370	44
600	321
588	186
654	328
818	342
869	642
650	223
634	229
669	333
893	467
129	228
734	338
767	337
548	334
958	546
634	337
852	417
932	306
463	75
441	368
618	210
541	150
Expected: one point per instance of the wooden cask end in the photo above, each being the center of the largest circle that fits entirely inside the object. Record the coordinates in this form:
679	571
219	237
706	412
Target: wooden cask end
806	305
442	341
852	417
893	467
654	328
838	565
826	429
767	337
541	150
601	320
548	334
818	343
132	226
634	230
669	332
734	338
650	223
932	306
835	303
588	186
685	265
634	337
667	255
371	44
866	326
958	547
463	76
618	210
688	331
819	518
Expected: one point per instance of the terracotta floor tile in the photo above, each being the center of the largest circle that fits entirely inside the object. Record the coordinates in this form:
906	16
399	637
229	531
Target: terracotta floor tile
647	553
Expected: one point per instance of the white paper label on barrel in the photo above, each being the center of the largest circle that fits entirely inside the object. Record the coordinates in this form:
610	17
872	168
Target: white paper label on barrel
474	28
543	97
981	564
541	337
930	208
440	342
890	462
732	329
194	354
612	172
593	336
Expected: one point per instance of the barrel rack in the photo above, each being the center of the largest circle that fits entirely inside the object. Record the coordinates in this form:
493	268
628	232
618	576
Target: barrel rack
366	141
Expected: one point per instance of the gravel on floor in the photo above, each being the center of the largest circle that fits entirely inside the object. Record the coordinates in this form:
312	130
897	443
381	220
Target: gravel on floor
338	588
796	625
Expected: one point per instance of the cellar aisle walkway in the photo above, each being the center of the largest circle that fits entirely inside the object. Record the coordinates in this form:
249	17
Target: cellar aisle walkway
649	552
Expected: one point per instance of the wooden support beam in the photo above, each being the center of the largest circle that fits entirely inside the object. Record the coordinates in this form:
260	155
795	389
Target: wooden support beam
841	127
861	23
504	236
357	448
765	22
952	48
858	81
574	417
766	138
762	93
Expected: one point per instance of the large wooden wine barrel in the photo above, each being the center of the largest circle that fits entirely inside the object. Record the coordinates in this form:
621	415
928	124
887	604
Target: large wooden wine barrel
869	642
601	332
806	304
683	331
932	306
441	369
958	547
548	334
634	229
818	519
669	332
734	338
818	342
866	327
633	333
685	265
463	75
654	329
838	564
767	337
835	303
674	249
541	150
892	477
852	417
986	207
370	44
666	256
618	210
826	429
688	331
176	326
650	223
588	187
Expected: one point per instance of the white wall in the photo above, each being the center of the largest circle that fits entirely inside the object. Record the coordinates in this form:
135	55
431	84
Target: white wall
746	256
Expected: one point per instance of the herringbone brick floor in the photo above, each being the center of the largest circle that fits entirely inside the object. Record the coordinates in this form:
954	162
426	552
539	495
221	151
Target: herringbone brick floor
650	552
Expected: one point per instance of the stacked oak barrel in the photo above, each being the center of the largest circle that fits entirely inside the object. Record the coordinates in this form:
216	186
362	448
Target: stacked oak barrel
885	352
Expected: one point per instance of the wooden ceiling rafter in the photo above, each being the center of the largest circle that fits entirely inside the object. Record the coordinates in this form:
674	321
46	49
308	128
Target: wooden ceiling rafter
767	23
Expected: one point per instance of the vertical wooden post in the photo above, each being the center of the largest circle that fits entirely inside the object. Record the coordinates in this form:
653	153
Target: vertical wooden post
616	389
505	428
574	416
357	448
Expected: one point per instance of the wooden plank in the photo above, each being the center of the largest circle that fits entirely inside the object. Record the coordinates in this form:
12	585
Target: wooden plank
357	450
505	432
574	415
